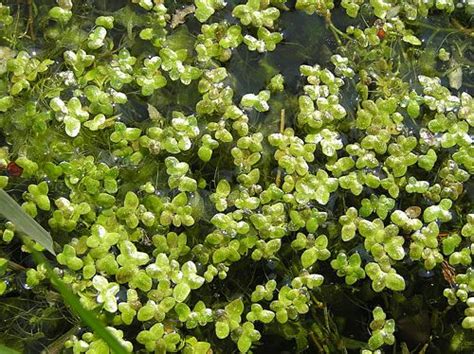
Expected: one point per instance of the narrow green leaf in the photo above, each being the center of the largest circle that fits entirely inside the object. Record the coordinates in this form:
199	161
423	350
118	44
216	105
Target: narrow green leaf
10	209
6	350
71	299
25	223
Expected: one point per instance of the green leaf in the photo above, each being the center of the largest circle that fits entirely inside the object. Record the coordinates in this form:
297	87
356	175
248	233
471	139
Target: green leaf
105	21
244	343
181	292
235	308
395	282
322	195
348	232
183	311
131	201
309	257
376	341
413	109
222	329
73	126
59	14
10	209
202	347
223	187
409	38
7	350
5	103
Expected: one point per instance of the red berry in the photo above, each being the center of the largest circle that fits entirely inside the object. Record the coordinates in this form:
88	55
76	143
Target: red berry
14	170
381	33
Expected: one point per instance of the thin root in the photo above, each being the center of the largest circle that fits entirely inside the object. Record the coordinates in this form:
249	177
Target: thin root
282	129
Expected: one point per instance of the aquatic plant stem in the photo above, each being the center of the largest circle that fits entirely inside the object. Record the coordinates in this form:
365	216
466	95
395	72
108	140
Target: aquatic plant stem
282	121
58	344
15	266
282	129
458	27
462	29
336	31
30	23
315	341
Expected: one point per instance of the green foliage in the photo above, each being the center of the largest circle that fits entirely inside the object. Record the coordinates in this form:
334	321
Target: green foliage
381	330
209	187
256	13
205	9
266	41
259	102
348	267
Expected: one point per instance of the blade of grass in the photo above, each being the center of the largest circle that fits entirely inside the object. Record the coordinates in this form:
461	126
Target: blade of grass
10	209
87	316
7	350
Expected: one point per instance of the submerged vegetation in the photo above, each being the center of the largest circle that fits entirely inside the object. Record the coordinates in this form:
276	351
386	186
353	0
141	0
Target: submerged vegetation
215	177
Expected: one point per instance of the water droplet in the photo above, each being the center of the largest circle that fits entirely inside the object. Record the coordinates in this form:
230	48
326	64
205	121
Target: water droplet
426	273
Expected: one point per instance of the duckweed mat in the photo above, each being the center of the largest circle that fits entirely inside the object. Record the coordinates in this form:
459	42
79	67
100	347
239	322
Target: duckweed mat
265	176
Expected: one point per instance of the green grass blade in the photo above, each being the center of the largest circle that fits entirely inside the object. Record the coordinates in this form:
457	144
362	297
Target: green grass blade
10	209
7	350
87	316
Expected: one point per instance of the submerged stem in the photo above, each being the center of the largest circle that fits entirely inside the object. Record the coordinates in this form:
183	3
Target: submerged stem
30	23
282	129
15	266
58	344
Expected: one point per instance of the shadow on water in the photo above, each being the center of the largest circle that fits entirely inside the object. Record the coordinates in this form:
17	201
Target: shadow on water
306	40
